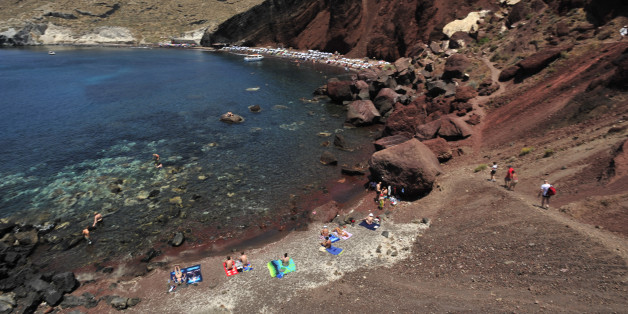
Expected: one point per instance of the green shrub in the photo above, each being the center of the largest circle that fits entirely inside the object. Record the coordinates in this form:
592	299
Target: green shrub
480	168
526	150
483	40
548	153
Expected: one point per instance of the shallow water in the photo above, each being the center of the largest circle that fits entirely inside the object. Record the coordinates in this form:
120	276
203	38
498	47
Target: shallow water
79	129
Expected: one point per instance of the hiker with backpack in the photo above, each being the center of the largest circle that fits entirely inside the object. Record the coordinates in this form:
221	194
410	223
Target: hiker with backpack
547	190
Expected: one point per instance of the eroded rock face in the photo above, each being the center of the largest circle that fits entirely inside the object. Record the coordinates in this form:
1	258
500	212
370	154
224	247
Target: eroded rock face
411	165
383	30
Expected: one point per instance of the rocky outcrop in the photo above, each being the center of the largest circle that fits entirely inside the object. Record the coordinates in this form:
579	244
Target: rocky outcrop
455	66
231	118
467	25
411	165
338	90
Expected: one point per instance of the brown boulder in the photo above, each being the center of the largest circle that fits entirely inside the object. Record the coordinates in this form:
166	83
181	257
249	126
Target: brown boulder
367	75
538	61
390	141
361	88
405	119
362	112
428	130
508	73
403	64
465	93
385	100
440	147
454	128
328	158
339	91
562	29
326	212
410	165
455	66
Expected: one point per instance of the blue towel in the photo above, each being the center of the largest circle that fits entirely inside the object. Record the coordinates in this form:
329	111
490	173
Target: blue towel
367	226
335	250
333	238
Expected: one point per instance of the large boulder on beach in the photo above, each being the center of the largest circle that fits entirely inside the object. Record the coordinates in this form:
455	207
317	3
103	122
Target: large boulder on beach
231	118
327	158
326	212
385	100
338	90
410	165
361	90
362	112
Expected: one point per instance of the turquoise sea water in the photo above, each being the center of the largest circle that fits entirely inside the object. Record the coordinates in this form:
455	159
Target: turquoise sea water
78	130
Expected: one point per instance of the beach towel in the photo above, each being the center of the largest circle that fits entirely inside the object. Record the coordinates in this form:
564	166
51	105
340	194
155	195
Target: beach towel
332	237
277	269
344	238
231	272
370	227
192	274
248	267
335	250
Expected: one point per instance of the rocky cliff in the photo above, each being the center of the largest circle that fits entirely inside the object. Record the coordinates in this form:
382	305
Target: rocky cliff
378	29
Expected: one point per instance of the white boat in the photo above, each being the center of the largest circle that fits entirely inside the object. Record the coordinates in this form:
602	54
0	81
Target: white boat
250	58
51	53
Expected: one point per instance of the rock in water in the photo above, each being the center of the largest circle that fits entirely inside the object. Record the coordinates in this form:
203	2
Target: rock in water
178	239
328	158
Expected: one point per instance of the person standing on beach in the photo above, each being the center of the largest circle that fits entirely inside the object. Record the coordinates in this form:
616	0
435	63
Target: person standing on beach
545	197
86	235
493	171
623	32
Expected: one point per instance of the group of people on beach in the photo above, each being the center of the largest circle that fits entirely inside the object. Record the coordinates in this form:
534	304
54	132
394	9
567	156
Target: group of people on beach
383	193
511	179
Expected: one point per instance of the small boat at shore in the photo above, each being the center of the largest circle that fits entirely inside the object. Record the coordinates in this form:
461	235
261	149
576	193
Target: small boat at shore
255	57
52	53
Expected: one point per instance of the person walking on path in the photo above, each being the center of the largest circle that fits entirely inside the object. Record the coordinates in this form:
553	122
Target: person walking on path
545	197
514	180
508	177
493	171
623	32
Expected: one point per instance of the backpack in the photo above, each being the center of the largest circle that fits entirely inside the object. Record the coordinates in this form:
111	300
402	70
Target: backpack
551	191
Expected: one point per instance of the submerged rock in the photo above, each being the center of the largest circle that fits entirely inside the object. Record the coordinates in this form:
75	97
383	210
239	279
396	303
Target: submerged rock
233	118
177	239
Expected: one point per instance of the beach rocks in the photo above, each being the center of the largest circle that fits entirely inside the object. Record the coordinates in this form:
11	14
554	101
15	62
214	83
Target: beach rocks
327	158
411	165
338	90
231	118
362	112
326	212
177	239
385	100
255	108
440	148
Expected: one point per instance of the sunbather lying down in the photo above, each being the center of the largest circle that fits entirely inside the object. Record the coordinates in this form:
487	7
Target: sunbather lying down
179	276
340	232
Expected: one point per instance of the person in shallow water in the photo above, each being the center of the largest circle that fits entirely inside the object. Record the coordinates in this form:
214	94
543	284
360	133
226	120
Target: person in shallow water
86	235
97	219
157	161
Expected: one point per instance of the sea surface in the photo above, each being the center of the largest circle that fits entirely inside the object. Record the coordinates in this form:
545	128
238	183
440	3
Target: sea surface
78	131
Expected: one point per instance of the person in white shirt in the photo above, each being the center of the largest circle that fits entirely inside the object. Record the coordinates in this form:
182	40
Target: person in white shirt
545	198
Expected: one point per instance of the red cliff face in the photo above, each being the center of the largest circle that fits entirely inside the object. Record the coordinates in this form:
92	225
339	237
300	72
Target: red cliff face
382	29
